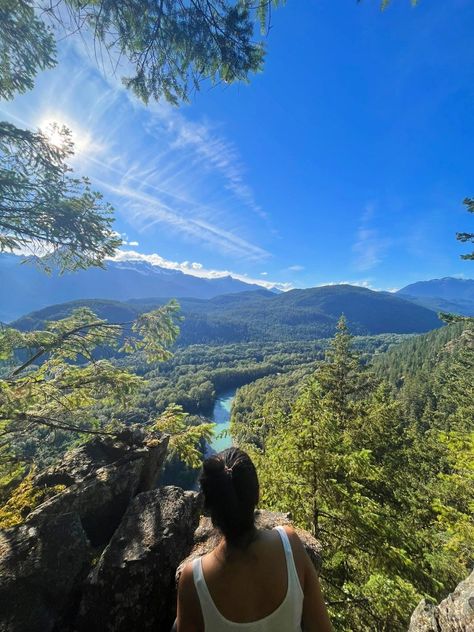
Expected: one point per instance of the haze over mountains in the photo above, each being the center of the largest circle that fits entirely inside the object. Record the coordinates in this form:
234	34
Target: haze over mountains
446	295
25	288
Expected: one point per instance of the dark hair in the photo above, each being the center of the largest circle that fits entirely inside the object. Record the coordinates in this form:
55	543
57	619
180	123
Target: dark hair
230	486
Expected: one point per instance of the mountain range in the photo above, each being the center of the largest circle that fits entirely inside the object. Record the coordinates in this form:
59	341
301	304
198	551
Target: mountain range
443	295
25	287
264	316
225	309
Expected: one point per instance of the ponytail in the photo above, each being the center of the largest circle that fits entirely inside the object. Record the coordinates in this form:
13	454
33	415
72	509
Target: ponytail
230	487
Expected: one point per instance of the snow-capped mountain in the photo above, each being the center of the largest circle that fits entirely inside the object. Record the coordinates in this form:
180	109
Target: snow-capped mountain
24	288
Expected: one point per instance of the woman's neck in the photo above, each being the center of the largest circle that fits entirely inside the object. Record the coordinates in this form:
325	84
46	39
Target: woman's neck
232	551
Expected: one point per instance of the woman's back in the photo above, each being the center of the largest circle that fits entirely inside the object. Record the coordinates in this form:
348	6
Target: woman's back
257	591
255	580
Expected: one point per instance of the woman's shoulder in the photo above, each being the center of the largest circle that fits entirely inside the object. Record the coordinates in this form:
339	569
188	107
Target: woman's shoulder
293	536
189	609
186	580
298	551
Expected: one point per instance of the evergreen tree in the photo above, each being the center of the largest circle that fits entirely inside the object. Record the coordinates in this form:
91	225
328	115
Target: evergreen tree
327	463
467	237
52	388
46	211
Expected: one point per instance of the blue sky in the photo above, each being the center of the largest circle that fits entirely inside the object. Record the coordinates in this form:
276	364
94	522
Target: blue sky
346	160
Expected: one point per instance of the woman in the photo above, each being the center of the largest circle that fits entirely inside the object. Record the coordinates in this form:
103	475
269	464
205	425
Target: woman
255	580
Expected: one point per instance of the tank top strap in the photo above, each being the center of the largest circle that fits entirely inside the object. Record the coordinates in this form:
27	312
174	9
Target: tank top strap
200	583
213	619
293	578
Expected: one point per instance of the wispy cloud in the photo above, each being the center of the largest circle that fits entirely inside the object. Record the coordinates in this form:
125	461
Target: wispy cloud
165	174
369	245
195	269
216	151
147	212
295	268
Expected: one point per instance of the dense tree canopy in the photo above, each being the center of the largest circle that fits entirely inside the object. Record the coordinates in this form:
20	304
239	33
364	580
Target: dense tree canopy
329	445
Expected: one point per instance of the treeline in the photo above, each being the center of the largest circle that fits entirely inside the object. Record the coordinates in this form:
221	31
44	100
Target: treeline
192	378
382	473
418	354
262	316
195	375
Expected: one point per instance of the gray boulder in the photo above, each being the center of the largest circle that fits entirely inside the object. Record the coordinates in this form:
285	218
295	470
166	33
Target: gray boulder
453	614
132	586
41	565
101	478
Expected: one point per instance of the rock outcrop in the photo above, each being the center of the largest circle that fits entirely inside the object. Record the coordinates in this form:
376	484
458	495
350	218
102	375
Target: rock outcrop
101	478
44	561
453	614
102	555
41	566
132	587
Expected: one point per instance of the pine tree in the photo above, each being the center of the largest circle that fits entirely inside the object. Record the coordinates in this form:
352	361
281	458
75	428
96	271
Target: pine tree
326	463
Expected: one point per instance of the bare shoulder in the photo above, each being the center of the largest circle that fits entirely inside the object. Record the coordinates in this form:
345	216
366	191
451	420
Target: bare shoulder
186	577
189	613
295	541
315	616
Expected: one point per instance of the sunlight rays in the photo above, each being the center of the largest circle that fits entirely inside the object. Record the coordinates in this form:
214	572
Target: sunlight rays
169	178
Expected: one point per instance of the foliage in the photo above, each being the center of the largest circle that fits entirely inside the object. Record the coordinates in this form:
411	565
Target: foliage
154	332
23	500
330	453
184	438
416	354
43	209
170	46
52	379
27	46
467	237
46	211
454	503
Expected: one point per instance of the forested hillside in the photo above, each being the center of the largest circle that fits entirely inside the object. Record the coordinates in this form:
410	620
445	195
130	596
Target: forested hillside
261	316
192	379
329	441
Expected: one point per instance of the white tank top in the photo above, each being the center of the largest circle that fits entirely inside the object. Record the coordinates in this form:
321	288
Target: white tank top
286	618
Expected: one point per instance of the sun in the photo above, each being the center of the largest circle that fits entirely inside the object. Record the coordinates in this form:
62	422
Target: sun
51	126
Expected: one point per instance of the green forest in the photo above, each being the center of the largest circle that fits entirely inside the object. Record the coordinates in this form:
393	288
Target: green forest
376	459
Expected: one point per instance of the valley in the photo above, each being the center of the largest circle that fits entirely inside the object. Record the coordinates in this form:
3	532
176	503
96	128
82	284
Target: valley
292	381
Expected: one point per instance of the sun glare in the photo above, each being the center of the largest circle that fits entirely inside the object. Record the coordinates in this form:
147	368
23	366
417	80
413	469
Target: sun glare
51	126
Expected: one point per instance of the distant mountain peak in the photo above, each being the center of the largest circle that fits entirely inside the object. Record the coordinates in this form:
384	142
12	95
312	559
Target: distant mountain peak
25	288
448	294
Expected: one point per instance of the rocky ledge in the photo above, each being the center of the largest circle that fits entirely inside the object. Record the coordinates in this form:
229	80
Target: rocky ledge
103	554
453	614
